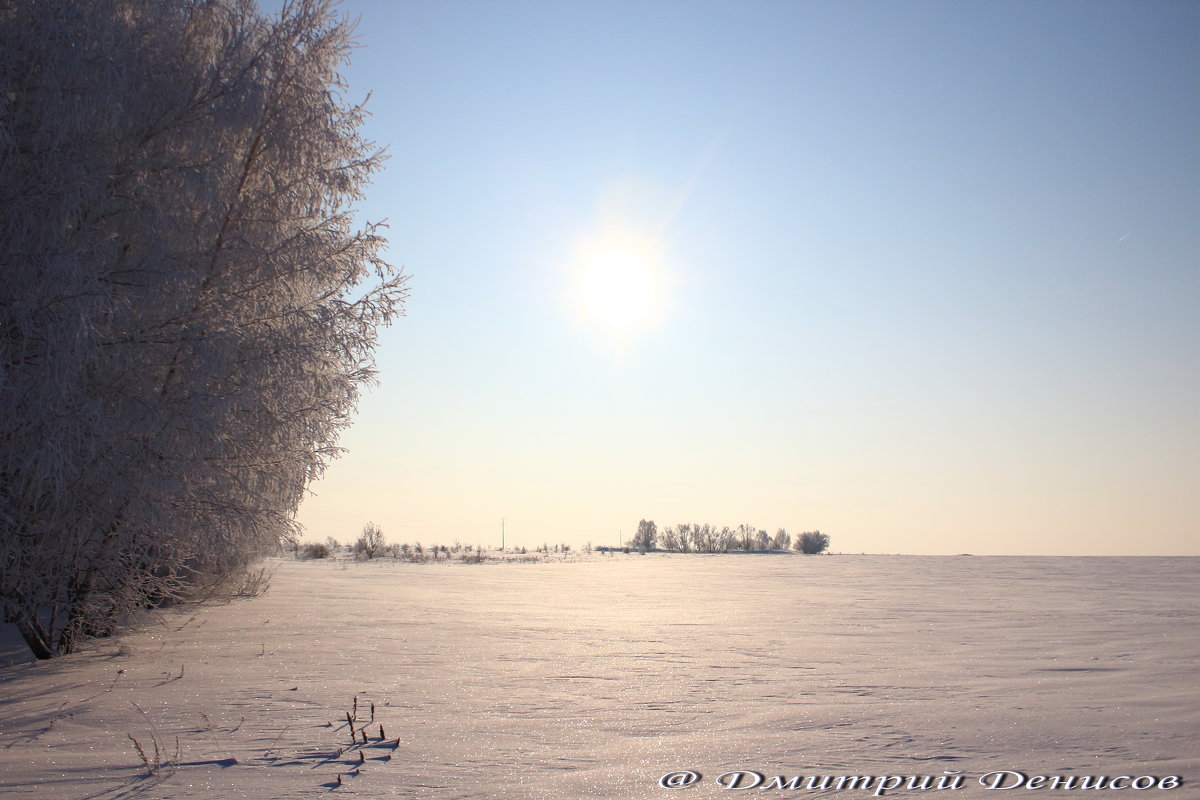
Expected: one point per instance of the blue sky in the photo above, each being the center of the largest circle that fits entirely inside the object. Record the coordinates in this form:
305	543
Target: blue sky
926	276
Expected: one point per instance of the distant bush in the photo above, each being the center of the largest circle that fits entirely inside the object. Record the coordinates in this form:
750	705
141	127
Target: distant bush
473	555
370	543
812	542
308	551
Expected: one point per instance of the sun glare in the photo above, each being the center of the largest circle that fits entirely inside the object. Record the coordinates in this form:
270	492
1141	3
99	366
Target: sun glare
619	284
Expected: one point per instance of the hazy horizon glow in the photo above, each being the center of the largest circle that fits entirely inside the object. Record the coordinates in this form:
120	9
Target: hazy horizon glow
923	276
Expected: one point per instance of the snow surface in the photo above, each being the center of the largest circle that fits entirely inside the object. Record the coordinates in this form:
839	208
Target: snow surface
592	679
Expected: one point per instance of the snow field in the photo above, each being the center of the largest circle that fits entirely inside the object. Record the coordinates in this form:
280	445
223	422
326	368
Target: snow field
594	678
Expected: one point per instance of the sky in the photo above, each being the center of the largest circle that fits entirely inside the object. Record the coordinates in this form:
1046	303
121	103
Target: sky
924	276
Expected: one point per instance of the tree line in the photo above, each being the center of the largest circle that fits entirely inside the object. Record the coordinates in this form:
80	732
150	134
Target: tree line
187	310
371	544
694	538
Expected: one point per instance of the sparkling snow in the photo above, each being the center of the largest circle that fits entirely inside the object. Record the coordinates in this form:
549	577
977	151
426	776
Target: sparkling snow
594	678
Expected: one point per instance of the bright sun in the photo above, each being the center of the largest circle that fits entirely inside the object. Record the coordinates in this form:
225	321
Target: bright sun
619	284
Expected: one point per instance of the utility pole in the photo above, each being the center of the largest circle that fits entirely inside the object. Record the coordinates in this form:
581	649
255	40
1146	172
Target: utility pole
502	534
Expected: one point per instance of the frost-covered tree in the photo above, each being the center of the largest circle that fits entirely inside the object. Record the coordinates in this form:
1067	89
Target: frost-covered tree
747	536
782	540
762	540
370	542
181	336
683	537
668	539
646	536
812	542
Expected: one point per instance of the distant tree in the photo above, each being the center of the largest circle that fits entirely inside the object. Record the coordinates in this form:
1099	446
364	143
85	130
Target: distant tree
782	540
693	537
746	535
812	542
668	539
181	336
370	542
646	537
689	537
682	535
721	541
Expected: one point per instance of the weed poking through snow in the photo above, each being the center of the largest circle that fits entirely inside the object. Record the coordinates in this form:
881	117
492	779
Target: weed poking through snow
354	758
154	765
